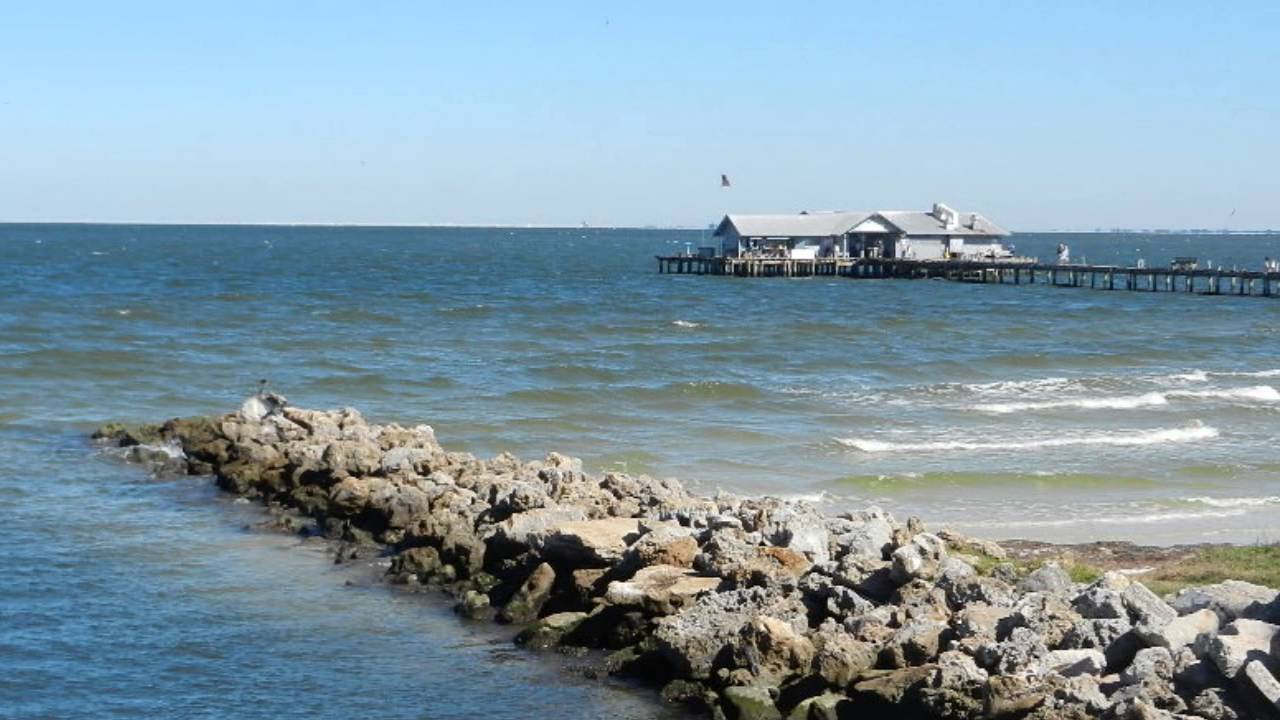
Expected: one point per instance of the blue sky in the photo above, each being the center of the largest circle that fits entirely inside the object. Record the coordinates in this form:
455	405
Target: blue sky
1041	115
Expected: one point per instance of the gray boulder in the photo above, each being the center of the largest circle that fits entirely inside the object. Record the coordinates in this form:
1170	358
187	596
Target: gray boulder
1152	662
586	543
1231	599
921	558
691	640
1070	663
1049	578
751	703
1264	682
1103	599
1242	641
527	602
1180	631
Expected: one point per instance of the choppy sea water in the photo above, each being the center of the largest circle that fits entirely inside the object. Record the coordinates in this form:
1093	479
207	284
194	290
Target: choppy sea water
1061	414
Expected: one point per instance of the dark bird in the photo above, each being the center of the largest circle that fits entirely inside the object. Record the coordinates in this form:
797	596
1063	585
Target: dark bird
724	180
262	387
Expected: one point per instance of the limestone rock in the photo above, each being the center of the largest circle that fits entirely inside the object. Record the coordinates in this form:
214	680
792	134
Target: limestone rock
890	689
1214	704
751	703
1264	682
661	589
691	640
1147	611
664	545
518	530
1181	631
1103	599
1231	599
527	602
1070	663
473	605
839	657
771	650
920	558
915	643
799	527
1242	641
1152	662
585	543
546	632
1012	696
746	564
868	534
1050	578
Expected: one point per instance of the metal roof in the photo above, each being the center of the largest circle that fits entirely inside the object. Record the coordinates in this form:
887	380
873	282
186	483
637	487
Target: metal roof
791	225
826	224
925	223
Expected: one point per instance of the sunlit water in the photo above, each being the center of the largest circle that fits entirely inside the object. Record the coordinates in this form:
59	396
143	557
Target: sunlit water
1027	411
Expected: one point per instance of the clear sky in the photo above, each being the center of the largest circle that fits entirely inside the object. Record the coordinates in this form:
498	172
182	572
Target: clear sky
1039	114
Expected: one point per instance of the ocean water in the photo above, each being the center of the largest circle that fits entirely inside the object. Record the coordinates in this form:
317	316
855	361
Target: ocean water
1030	411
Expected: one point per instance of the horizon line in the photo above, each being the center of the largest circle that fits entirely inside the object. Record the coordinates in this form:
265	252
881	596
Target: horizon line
536	226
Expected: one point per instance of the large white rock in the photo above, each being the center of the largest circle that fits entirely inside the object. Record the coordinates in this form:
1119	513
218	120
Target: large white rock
1261	678
1230	599
1070	663
587	542
1242	641
1181	631
660	589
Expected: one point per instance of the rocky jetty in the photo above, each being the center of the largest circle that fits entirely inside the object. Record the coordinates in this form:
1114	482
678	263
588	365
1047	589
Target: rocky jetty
747	608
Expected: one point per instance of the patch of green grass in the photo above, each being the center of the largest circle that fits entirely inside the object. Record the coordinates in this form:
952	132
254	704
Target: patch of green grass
1082	573
1259	564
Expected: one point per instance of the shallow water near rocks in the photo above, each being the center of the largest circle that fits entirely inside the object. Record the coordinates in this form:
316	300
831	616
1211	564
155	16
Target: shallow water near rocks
1001	411
131	597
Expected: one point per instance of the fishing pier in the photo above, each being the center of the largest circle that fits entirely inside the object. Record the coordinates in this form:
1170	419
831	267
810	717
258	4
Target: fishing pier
936	244
1012	271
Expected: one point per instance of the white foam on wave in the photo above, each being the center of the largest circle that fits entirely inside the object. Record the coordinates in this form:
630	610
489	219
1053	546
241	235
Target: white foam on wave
686	324
1016	386
1193	433
1237	502
1254	393
1143	519
1251	373
1260	393
1120	402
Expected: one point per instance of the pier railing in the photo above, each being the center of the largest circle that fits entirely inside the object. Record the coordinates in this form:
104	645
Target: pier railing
1016	271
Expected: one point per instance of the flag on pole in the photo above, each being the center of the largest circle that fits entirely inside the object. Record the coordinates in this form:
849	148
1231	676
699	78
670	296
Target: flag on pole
724	180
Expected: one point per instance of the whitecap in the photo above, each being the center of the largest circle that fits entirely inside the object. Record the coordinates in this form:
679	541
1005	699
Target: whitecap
1254	393
686	324
1260	393
1138	438
1236	502
1137	519
1120	402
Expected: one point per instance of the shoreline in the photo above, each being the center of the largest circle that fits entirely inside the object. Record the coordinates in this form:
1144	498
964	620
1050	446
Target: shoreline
740	607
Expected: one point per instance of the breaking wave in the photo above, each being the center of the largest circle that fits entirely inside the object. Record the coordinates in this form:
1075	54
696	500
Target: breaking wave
1256	393
1122	439
1239	502
1140	519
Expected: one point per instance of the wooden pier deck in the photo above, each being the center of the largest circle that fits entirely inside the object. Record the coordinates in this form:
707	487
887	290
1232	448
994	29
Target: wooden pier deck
1203	281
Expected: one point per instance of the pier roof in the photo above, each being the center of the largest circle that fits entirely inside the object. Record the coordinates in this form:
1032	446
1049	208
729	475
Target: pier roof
911	222
791	225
